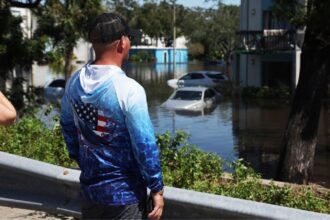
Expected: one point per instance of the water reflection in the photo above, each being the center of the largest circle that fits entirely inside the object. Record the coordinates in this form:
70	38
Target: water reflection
258	129
232	129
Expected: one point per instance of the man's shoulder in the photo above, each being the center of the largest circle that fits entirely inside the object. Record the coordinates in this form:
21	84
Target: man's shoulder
71	83
131	83
75	75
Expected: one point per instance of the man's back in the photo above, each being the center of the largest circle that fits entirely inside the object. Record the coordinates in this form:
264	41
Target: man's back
109	113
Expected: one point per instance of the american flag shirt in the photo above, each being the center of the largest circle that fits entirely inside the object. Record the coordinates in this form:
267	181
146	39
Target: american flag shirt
96	119
107	130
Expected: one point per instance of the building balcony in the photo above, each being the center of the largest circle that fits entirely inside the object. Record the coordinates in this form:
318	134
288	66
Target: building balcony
266	41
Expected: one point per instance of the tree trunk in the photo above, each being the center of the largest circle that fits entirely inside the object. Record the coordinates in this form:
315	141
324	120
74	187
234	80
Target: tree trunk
2	81
300	137
68	63
327	90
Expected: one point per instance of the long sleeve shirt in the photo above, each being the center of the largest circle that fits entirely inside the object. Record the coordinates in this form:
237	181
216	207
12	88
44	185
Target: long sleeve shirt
107	130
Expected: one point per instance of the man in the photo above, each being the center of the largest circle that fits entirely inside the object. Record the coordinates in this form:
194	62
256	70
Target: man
7	111
107	129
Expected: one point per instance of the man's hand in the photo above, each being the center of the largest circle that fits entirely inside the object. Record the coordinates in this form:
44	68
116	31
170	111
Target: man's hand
158	202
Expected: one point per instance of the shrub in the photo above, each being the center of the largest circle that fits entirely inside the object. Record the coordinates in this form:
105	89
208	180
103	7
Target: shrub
186	166
195	50
30	138
142	56
266	92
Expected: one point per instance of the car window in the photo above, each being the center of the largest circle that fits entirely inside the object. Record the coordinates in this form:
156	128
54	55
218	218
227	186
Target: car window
187	95
209	93
216	76
197	76
186	77
58	83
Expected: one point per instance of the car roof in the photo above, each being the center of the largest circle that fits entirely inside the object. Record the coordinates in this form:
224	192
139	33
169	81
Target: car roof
53	80
192	88
206	72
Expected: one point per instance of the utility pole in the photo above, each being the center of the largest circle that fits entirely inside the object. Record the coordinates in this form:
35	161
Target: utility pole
174	39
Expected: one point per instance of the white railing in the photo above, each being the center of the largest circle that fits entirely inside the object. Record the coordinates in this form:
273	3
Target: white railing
30	184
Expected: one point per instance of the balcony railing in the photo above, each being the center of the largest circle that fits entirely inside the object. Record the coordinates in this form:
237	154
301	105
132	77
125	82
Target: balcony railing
266	41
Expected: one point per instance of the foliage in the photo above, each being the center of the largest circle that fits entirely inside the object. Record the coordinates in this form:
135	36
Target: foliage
55	60
142	56
15	50
24	100
156	20
127	8
293	11
17	93
214	28
184	166
196	50
211	32
30	138
64	23
266	92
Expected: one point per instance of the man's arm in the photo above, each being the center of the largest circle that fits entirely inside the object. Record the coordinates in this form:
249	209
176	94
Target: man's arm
69	129
143	140
8	112
144	147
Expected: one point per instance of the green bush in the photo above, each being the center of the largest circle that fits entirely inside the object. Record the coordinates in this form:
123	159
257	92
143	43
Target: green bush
186	166
196	50
266	92
142	56
30	138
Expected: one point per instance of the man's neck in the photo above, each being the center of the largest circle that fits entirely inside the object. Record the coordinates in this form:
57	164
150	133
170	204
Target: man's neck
107	61
108	58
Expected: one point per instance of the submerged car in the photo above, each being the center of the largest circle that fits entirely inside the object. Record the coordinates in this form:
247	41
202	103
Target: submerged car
54	90
192	98
199	78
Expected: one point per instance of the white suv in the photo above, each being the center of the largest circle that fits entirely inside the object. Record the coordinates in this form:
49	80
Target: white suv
199	78
54	90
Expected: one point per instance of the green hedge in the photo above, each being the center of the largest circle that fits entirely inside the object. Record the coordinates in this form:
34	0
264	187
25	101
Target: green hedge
266	92
142	56
30	138
184	166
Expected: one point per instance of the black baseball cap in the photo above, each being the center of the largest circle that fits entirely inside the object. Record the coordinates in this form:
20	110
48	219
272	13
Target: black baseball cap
109	27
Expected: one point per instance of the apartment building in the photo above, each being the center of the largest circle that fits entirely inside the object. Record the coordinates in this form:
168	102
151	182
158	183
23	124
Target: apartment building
269	49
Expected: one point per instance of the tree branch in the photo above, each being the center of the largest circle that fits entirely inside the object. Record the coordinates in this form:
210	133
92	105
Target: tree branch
24	4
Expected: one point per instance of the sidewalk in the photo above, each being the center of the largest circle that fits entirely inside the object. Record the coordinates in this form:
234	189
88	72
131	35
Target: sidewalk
17	214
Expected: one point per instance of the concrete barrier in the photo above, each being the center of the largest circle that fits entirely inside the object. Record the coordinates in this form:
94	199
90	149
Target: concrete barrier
30	184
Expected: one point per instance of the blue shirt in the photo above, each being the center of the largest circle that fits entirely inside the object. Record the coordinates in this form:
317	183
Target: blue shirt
107	130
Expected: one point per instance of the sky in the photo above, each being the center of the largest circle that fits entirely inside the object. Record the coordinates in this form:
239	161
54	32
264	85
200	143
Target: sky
201	3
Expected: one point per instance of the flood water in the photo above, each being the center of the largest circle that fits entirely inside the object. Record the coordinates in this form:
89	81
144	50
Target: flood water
233	129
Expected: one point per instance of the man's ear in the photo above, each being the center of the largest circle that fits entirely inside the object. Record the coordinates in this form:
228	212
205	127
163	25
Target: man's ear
121	45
